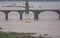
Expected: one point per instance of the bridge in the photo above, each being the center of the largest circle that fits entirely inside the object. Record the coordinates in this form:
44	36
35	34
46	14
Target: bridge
36	13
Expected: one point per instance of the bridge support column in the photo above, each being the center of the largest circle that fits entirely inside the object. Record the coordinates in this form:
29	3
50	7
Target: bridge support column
58	11
59	16
20	16
6	14
6	17
36	15
20	12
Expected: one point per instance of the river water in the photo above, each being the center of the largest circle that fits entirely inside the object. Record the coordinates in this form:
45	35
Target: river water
51	27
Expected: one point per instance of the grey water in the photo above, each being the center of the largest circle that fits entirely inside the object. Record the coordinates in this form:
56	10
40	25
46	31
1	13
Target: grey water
51	27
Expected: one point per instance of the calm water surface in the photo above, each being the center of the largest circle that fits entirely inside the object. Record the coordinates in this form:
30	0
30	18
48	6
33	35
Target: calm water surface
41	26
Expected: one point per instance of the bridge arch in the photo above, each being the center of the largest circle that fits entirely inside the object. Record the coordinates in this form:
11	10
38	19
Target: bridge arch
48	15
2	15
31	15
14	15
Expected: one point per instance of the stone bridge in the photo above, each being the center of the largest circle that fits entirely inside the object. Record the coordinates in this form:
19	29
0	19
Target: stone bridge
36	13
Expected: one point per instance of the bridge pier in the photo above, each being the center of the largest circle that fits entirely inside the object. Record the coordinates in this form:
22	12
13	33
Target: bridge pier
36	15
20	12
6	14
20	16
59	16
58	11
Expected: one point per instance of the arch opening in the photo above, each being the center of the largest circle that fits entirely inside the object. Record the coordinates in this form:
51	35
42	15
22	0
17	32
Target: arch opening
30	15
48	15
2	15
13	15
